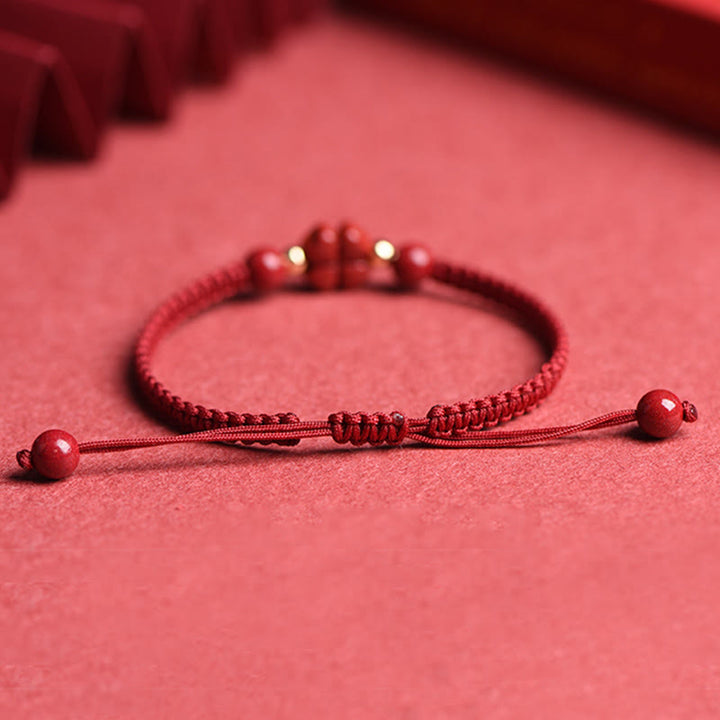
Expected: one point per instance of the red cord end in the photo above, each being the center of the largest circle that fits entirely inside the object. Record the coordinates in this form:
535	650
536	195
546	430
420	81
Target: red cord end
660	413
55	455
690	413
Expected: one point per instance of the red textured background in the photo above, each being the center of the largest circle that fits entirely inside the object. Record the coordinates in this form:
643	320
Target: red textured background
578	579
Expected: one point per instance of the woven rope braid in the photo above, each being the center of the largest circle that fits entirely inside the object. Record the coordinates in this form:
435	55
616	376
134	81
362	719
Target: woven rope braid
201	295
489	411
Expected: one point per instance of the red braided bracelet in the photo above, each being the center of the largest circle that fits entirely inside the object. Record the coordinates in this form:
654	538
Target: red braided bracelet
343	258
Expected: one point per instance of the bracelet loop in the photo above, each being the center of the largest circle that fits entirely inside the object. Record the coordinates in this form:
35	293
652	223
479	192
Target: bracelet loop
326	257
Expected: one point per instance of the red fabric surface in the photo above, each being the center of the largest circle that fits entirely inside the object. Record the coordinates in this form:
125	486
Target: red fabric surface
578	579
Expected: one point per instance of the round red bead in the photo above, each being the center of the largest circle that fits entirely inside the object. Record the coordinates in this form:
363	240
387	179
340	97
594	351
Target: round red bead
267	269
355	243
412	265
55	454
322	245
660	413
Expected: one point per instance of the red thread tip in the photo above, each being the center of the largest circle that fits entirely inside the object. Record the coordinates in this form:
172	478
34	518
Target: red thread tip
23	459
690	413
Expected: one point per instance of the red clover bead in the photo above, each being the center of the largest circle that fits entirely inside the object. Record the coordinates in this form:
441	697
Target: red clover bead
354	273
267	269
322	245
324	276
355	243
412	265
55	454
660	413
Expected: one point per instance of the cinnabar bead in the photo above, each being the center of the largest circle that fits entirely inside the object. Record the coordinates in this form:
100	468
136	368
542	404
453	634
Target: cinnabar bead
660	413
322	245
55	454
267	269
412	265
355	243
354	273
325	276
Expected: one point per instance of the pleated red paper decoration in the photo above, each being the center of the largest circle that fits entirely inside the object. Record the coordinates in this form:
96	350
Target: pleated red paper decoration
659	54
67	67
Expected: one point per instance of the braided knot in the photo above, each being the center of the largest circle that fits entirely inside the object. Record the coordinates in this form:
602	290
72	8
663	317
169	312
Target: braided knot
374	429
279	419
198	417
454	420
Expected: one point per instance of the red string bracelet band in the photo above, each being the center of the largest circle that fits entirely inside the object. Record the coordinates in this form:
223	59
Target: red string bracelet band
330	259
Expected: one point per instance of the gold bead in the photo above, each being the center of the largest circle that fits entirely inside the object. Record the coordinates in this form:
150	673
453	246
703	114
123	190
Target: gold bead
384	250
296	259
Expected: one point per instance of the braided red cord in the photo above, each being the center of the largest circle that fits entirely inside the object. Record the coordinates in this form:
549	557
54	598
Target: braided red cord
458	418
442	421
205	293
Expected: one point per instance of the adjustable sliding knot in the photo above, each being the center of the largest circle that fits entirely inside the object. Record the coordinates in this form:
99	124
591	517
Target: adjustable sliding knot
374	429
